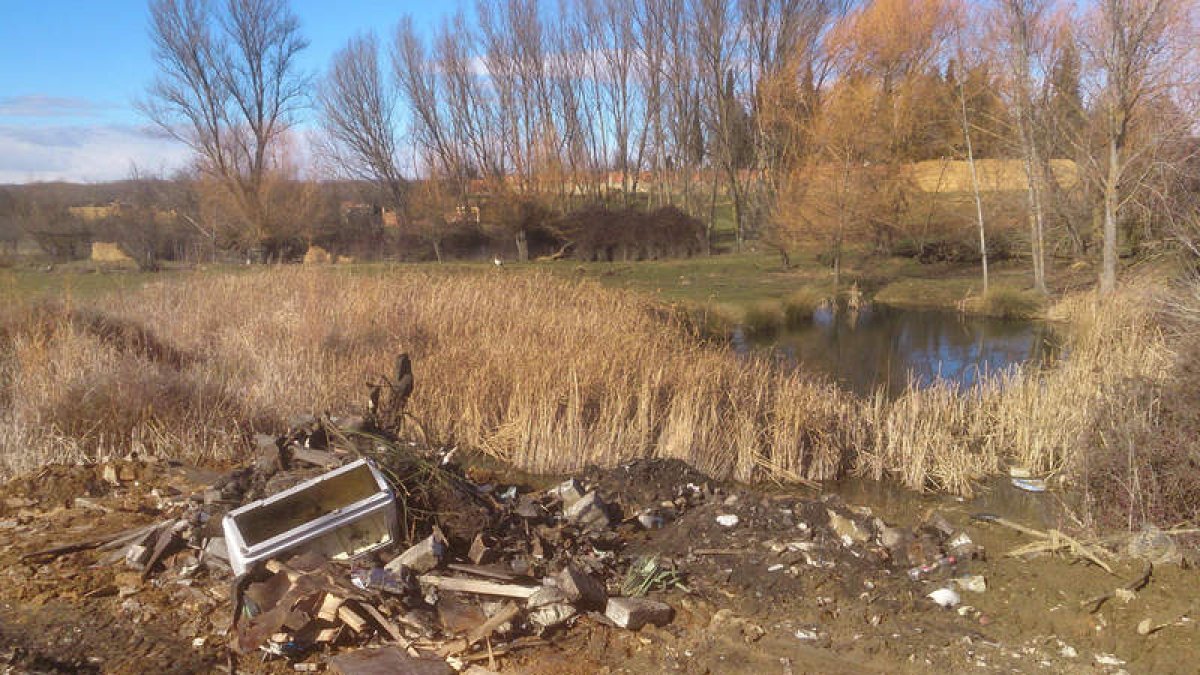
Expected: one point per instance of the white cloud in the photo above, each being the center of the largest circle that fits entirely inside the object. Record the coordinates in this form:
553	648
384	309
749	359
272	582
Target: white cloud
41	105
82	153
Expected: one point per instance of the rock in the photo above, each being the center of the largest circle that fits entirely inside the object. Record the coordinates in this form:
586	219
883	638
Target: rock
633	613
581	588
962	547
423	556
589	512
569	491
728	520
1154	545
847	529
481	553
215	549
892	538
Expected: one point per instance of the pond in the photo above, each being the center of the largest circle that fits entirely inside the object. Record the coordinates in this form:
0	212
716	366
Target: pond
883	346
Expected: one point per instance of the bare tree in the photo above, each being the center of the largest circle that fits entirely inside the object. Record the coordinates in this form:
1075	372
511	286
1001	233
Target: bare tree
1138	49
356	108
1022	29
228	85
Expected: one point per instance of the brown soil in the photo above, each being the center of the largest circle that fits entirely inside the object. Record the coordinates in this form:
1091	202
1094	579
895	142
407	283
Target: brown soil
751	604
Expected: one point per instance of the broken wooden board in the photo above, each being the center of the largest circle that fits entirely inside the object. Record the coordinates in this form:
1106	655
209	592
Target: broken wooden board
478	586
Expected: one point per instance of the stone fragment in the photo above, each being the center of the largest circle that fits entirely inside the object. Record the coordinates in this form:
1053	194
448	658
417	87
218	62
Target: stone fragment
582	588
633	613
589	511
847	529
423	556
569	491
481	553
892	537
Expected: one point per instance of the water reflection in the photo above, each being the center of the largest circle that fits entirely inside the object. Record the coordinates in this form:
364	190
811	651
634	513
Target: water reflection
879	345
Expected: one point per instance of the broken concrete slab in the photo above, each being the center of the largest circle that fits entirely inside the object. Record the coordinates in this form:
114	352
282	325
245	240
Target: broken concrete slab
423	556
569	491
387	661
589	511
633	613
481	552
581	588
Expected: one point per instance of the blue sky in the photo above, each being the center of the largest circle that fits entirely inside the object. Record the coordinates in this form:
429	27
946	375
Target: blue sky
70	71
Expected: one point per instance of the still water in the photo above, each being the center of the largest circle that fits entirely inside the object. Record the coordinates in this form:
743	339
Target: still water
884	346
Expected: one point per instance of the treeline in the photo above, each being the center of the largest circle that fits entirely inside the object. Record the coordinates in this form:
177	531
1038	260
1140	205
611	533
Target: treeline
1038	128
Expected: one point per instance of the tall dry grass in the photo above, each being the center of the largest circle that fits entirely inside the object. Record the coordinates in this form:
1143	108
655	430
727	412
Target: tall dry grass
548	374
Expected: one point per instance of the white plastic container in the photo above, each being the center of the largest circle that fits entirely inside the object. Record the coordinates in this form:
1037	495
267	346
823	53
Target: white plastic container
343	514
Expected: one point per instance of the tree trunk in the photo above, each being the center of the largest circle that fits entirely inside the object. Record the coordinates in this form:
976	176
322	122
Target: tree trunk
975	189
1035	224
522	246
1108	270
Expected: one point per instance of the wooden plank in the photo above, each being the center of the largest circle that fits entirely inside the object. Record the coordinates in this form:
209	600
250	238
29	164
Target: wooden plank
325	460
478	586
481	571
390	628
352	619
329	607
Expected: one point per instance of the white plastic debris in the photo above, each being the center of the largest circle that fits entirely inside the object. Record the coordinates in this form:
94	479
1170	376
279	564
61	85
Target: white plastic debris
974	583
1108	660
728	520
945	597
806	634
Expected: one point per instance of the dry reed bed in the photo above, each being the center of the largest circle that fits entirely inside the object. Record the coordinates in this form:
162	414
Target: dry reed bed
549	374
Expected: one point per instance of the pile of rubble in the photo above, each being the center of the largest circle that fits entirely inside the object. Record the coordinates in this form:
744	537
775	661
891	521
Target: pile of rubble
301	556
528	563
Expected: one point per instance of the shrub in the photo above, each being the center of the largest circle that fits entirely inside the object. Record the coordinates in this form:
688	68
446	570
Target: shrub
762	319
1010	303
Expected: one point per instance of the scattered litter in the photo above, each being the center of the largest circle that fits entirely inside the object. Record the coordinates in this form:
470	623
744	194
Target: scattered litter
728	520
945	597
974	583
806	634
1108	660
1029	484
